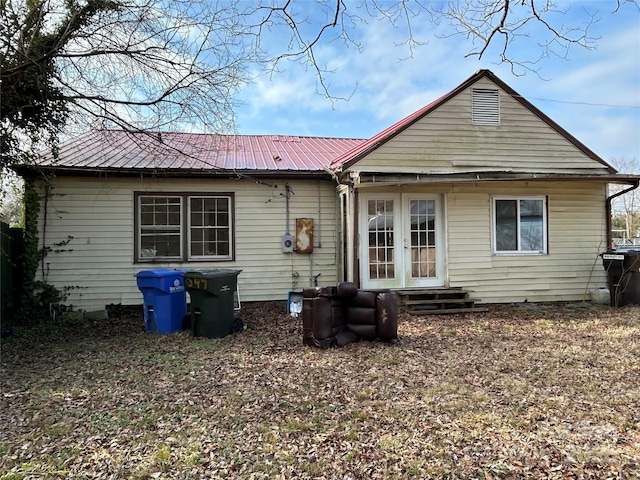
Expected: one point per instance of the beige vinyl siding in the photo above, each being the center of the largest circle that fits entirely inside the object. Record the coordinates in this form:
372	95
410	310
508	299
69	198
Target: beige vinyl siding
99	215
469	235
576	230
446	141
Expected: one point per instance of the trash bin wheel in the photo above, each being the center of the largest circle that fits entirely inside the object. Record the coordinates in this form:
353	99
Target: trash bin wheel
237	326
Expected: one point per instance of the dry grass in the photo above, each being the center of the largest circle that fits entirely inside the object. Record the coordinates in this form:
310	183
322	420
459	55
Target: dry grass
525	391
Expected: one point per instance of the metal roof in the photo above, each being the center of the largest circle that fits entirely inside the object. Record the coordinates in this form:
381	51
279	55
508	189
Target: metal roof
187	152
116	149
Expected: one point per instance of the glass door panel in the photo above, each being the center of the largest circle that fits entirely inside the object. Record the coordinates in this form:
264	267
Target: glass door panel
422	234
381	239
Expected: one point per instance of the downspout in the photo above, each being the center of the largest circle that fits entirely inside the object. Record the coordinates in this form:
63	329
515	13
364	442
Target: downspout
608	208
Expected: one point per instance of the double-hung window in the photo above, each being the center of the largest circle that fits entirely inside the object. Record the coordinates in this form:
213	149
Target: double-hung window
520	225
184	226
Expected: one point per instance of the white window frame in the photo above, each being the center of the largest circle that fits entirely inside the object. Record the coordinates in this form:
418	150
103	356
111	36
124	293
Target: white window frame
184	229
145	255
229	228
518	199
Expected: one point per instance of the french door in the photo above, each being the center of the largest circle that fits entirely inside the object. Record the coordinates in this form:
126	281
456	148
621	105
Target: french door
401	240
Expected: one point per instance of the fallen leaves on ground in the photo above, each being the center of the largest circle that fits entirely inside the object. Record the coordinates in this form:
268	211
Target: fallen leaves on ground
522	391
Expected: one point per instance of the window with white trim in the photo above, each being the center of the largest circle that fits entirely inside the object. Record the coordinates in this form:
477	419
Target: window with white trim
184	227
520	225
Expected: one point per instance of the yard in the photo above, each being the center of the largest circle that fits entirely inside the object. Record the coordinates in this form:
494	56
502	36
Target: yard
521	391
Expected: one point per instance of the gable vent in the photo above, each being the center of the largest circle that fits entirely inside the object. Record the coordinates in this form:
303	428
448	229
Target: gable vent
485	106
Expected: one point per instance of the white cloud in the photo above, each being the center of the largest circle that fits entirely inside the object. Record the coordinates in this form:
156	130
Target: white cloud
617	62
605	87
394	81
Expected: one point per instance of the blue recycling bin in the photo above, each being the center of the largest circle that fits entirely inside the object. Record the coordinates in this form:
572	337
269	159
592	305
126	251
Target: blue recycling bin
165	299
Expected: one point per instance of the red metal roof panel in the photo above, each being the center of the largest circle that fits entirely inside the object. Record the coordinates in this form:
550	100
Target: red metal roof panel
115	149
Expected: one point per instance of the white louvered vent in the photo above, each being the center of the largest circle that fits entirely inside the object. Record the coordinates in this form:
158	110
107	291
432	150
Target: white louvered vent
485	106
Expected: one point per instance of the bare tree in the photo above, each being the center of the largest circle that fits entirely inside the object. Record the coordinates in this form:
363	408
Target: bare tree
150	65
123	64
503	24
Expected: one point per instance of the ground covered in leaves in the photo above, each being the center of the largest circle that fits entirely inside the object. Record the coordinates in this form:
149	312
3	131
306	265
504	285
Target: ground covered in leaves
521	391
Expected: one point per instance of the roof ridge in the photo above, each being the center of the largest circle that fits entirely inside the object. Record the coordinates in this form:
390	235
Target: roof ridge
170	132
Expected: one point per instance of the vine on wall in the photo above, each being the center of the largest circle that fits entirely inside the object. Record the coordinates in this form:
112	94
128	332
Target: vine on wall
39	300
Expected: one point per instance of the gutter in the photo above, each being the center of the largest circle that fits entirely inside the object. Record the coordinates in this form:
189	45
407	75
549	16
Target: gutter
159	172
608	209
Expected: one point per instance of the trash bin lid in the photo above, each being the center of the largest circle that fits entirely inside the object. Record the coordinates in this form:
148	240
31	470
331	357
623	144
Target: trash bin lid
220	272
160	272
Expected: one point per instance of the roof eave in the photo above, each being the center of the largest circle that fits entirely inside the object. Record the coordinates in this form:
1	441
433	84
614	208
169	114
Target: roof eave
30	170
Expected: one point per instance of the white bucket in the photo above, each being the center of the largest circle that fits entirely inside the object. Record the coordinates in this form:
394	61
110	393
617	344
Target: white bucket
601	296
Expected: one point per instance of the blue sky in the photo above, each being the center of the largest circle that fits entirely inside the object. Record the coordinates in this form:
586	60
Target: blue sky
594	94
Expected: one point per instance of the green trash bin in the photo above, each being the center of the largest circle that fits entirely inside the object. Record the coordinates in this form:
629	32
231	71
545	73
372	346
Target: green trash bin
213	298
623	271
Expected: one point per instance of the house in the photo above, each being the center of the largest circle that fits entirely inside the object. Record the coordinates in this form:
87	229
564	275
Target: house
478	191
